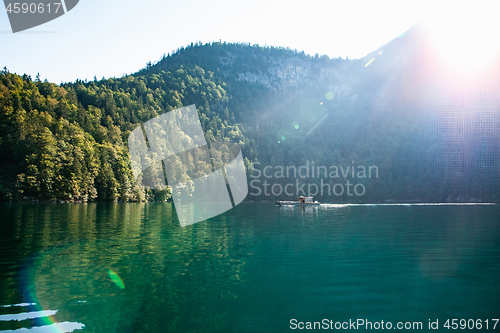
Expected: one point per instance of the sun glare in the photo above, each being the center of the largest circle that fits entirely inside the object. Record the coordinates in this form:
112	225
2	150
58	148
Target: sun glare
466	38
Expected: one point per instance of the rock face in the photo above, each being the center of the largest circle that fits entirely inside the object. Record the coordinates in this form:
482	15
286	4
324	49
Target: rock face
281	73
296	73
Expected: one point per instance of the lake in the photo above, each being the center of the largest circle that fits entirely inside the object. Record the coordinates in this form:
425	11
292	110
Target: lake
255	268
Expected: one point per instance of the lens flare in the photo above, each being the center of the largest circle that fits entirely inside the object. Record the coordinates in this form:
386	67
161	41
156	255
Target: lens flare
329	95
116	279
465	37
369	62
73	278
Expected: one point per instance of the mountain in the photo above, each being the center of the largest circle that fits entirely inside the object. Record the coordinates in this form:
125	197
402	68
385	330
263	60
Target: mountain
396	125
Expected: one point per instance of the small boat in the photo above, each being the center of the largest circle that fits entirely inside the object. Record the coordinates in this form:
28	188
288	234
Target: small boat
301	201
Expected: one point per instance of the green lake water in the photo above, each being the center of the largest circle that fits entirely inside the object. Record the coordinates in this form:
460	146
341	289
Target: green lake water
255	268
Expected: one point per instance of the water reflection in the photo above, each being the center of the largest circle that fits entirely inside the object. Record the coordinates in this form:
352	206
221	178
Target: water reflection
108	265
75	279
20	304
44	317
249	269
65	327
27	315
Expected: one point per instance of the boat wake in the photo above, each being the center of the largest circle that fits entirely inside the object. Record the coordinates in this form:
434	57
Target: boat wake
415	204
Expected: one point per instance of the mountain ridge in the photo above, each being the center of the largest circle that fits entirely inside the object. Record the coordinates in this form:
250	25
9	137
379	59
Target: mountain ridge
68	142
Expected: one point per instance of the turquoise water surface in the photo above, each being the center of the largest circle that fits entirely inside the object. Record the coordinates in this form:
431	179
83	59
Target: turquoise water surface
255	268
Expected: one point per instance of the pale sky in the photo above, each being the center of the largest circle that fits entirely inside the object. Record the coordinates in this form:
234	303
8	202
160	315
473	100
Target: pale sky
109	38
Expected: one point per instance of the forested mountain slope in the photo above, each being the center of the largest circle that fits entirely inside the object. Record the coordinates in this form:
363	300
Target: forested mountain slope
428	136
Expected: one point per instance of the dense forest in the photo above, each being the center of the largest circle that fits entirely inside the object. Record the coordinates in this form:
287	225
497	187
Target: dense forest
285	109
68	142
